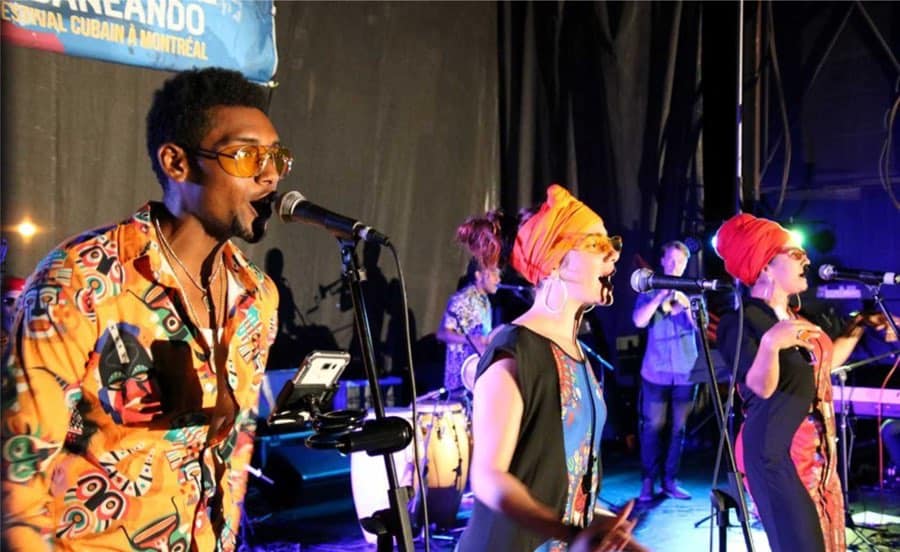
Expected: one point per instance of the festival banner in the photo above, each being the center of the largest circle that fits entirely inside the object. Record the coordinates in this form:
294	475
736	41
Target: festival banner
163	34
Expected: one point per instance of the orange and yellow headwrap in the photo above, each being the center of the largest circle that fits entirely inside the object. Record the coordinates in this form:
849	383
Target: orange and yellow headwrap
747	244
545	238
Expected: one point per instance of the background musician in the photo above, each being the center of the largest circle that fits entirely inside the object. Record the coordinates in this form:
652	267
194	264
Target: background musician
467	320
666	390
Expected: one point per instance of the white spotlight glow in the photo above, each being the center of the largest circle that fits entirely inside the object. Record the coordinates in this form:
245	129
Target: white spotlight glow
26	228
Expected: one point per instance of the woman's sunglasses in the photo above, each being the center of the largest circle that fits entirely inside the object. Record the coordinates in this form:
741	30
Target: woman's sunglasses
795	253
598	243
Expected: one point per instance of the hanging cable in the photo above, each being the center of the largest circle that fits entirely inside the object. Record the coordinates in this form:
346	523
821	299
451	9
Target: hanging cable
426	531
815	74
779	85
884	160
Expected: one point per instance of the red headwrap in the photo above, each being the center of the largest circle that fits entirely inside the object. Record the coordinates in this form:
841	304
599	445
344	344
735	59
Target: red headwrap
12	283
747	244
545	238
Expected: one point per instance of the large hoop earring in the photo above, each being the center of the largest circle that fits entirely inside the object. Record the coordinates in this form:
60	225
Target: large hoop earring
565	296
768	286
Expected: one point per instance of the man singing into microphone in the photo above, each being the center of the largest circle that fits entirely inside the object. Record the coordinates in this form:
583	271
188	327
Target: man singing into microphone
467	320
139	347
666	392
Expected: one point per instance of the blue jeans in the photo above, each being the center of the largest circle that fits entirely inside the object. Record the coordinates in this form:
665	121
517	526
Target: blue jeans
663	406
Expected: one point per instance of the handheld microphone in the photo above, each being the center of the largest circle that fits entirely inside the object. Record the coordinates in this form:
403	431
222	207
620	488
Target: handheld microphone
644	280
293	207
829	272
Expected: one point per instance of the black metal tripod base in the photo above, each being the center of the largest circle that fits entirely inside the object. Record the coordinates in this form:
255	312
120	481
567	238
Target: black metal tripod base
385	525
722	502
856	530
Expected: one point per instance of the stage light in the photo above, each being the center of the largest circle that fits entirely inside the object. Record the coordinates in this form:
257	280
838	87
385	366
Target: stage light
26	229
797	235
813	235
713	241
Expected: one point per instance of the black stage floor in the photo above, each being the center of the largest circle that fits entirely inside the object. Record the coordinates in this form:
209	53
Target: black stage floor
321	517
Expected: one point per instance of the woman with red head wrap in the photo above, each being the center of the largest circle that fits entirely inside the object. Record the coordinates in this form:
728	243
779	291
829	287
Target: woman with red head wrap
786	446
538	409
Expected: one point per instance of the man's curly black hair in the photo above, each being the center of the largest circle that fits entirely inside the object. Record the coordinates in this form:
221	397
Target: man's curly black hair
180	109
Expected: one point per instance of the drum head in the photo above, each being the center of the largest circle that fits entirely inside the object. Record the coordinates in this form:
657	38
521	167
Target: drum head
467	371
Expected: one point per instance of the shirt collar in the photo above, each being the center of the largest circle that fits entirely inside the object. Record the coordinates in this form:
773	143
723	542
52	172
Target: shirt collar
139	243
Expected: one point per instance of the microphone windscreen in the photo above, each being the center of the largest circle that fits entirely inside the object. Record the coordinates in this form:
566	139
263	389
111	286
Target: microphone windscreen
640	280
826	272
286	202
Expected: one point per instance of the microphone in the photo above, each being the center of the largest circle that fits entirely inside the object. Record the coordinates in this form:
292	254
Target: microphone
381	436
829	272
644	280
512	287
440	392
293	207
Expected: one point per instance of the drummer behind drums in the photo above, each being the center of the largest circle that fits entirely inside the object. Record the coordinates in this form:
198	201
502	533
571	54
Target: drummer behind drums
466	325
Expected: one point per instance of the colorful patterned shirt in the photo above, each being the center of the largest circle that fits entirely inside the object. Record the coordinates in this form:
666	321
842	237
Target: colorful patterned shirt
468	313
583	418
108	393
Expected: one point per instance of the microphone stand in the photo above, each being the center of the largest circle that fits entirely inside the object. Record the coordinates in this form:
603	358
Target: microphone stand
845	413
845	457
879	301
394	523
721	501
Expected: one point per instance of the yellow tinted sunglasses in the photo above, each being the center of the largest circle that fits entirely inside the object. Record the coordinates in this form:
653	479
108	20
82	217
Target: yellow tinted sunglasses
249	160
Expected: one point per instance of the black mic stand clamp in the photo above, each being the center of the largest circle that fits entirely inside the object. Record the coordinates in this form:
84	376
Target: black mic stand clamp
721	500
393	524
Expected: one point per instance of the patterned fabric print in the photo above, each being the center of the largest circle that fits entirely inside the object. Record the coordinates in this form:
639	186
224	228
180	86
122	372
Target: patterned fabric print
91	506
105	438
468	312
814	452
166	533
583	417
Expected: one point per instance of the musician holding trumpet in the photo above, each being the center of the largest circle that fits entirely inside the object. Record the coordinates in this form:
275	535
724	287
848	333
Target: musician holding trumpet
666	390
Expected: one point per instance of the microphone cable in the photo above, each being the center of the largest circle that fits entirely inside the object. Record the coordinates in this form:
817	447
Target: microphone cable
404	304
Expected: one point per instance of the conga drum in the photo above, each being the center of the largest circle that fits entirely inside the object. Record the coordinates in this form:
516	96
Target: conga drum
442	430
467	371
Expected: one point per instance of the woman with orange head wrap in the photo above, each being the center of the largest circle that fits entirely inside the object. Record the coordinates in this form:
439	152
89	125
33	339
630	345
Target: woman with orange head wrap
539	410
786	445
